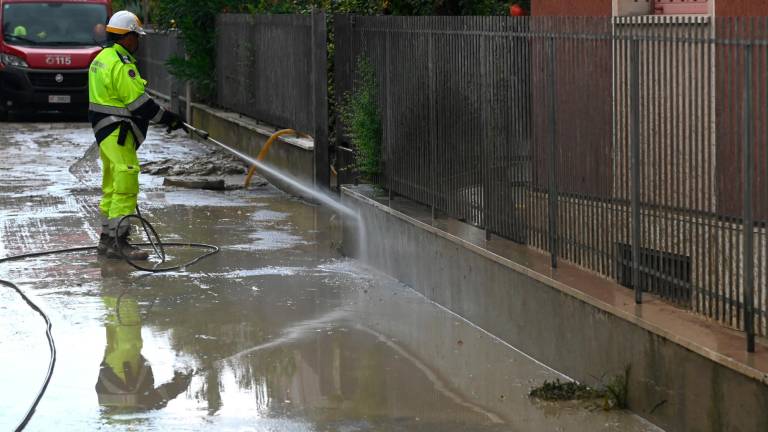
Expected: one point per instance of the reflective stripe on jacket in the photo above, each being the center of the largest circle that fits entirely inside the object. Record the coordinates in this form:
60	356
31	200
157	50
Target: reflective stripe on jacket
117	95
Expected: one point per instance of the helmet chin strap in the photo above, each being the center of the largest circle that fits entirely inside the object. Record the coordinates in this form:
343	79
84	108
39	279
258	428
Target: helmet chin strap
121	43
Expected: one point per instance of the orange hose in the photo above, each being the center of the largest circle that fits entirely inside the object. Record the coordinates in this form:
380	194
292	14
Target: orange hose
265	150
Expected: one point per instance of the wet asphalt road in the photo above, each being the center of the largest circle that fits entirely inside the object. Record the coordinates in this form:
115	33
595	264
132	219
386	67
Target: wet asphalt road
278	332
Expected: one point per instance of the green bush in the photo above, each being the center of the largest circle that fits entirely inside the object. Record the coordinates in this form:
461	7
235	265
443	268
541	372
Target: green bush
137	7
197	22
360	114
131	5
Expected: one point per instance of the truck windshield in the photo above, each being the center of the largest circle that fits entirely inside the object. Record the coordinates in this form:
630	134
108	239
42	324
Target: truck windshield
52	23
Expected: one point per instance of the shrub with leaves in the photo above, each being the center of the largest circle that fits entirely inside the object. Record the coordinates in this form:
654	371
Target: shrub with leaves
360	114
617	391
565	391
131	5
197	21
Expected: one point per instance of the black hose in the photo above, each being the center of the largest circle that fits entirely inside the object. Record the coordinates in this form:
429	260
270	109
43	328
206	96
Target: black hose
153	240
51	347
48	325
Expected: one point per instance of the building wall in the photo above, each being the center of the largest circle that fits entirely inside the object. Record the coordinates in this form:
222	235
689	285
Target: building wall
583	110
571	8
605	8
625	7
741	8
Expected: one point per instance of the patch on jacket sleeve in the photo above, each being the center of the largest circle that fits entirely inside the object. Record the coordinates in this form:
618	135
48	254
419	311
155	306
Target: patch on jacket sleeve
132	73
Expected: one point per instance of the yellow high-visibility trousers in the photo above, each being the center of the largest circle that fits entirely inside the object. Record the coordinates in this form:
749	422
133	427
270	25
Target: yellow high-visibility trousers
124	342
120	178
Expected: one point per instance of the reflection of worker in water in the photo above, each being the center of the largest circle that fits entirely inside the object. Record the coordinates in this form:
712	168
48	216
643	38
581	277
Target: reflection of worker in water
125	378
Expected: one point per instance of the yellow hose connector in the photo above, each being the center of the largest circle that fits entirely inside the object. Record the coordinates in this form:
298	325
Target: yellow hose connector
265	150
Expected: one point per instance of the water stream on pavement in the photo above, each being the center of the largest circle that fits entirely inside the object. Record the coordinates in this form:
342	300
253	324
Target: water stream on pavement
306	190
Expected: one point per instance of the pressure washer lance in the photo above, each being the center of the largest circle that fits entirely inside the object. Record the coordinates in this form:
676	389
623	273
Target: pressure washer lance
153	240
207	137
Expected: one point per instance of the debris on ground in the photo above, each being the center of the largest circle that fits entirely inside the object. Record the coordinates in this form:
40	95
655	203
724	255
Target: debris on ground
196	183
565	391
213	171
614	393
215	163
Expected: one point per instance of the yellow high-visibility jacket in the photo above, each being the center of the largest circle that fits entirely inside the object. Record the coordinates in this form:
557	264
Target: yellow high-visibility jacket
118	96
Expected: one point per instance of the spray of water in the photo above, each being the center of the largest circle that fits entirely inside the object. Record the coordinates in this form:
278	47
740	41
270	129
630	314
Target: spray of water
307	191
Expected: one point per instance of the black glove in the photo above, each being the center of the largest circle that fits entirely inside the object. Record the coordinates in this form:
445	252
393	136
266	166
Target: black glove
172	120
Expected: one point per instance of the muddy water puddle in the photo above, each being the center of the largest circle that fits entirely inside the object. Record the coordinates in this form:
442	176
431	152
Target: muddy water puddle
278	332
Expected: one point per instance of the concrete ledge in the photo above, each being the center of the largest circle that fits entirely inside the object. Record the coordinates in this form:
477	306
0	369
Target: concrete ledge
687	374
291	155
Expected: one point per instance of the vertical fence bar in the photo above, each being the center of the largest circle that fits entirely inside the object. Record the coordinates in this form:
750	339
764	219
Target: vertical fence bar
730	219
342	77
761	207
748	178
685	288
552	157
177	85
613	186
433	125
320	102
485	47
634	80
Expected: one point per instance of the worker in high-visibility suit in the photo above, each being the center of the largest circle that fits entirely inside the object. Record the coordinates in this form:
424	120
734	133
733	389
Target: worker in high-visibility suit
120	112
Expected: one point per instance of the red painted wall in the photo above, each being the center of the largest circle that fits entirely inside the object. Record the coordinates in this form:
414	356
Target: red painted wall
583	108
604	7
738	8
572	7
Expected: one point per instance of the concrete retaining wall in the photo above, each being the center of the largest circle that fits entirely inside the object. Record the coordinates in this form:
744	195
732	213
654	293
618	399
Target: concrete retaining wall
673	386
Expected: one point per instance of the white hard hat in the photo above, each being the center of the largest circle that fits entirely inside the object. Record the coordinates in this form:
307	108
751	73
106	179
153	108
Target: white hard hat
124	22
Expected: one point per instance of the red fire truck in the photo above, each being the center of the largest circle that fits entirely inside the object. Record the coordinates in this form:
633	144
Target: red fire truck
46	47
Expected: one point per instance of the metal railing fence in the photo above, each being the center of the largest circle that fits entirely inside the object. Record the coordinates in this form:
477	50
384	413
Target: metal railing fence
633	147
264	68
273	68
155	50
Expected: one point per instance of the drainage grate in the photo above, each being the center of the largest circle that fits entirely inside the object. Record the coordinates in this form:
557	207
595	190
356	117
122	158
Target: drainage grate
665	274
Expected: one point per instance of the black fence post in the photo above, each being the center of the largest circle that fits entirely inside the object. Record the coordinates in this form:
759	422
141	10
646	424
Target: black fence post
552	156
634	126
748	179
433	123
342	76
320	99
177	85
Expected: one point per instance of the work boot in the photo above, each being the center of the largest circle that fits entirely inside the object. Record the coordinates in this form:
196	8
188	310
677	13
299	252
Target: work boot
104	244
121	244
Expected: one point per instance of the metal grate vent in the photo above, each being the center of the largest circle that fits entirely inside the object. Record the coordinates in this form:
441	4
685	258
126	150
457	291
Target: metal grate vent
665	274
